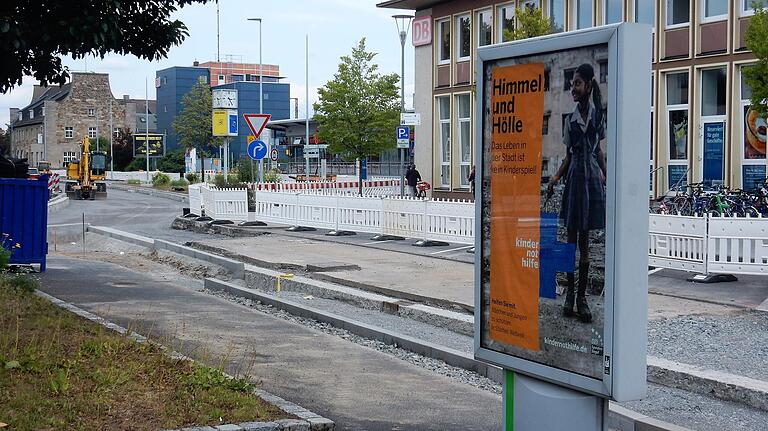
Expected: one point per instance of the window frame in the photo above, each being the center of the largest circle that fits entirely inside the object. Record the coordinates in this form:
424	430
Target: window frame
655	14
668	26
95	133
605	12
91	112
575	14
705	19
551	8
743	103
31	114
439	46
445	183
499	16
69	132
745	8
478	28
463	182
668	109
458	30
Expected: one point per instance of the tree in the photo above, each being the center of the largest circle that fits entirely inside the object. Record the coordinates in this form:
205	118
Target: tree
193	124
34	34
531	22
756	75
172	162
359	109
5	142
122	148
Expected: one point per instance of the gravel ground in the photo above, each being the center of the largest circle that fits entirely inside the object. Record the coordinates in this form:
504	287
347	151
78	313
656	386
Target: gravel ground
736	343
698	412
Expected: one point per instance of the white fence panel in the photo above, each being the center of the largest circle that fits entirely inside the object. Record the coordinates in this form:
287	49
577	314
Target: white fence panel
677	242
359	214
195	199
451	221
738	245
276	207
404	217
316	210
229	204
206	194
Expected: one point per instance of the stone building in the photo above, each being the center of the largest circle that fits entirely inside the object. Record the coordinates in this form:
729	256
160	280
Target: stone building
53	125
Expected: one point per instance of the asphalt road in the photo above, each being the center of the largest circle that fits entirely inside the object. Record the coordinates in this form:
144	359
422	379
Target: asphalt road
358	387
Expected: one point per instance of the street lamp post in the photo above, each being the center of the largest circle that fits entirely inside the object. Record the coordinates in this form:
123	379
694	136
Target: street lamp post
261	98
403	23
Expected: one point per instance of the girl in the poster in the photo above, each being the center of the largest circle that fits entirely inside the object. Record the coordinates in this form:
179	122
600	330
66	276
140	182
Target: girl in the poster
583	205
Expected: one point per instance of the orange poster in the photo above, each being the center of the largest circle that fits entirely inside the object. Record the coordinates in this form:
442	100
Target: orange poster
517	112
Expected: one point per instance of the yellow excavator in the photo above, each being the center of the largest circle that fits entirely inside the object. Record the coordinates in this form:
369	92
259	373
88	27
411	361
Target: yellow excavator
85	177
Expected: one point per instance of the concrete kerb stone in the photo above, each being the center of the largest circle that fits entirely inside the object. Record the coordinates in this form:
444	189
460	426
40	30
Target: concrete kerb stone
150	192
123	236
58	203
237	269
302	423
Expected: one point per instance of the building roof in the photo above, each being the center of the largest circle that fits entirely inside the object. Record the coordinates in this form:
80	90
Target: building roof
56	93
409	4
288	123
140	104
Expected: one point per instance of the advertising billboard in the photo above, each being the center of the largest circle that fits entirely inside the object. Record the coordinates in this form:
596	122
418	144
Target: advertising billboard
551	273
156	145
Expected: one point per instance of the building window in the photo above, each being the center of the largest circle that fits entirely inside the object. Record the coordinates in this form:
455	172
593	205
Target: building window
116	132
203	79
69	132
603	71
463	112
557	15
582	13
31	114
715	10
753	140
677	13
165	108
645	12
444	136
221	79
91	132
21	115
545	124
747	9
506	20
568	79
677	128
484	22
42	111
69	156
713	91
165	79
91	112
237	77
547	74
444	35
613	11
463	40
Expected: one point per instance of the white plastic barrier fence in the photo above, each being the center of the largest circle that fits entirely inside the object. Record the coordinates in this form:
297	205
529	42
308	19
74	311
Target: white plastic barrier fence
452	221
359	214
370	188
677	242
404	216
195	199
280	208
225	204
141	176
738	245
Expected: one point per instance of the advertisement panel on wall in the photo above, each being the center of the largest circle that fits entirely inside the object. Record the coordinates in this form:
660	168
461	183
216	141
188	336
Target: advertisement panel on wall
547	275
156	144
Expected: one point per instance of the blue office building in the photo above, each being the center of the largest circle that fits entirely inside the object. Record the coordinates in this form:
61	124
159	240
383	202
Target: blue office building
276	103
175	82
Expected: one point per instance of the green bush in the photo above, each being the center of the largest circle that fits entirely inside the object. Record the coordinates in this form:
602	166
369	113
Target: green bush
22	282
137	164
192	178
180	183
7	246
172	162
220	181
272	176
161	180
134	182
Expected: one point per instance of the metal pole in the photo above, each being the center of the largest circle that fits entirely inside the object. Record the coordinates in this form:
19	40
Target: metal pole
402	105
146	122
218	41
306	141
97	129
261	101
111	143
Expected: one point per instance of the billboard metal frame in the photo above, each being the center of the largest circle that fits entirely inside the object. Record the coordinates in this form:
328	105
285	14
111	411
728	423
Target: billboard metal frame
628	134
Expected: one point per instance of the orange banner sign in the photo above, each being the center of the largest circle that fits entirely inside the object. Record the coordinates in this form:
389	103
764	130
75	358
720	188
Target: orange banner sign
517	113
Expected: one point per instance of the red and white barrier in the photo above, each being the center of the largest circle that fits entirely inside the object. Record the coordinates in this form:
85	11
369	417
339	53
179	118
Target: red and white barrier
54	184
382	187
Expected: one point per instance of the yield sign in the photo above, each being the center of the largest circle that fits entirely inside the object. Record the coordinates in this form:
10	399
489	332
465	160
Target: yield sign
257	122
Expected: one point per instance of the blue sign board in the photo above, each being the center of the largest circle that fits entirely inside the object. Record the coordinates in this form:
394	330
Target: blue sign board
403	133
257	150
714	142
678	176
364	169
752	176
233	123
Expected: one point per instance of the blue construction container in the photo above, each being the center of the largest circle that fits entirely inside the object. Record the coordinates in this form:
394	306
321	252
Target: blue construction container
24	218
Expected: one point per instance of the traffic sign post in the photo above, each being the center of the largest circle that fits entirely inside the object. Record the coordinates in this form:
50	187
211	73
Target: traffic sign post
257	150
273	154
403	137
257	122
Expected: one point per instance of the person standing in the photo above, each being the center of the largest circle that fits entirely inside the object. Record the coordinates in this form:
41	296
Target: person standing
583	203
471	179
412	177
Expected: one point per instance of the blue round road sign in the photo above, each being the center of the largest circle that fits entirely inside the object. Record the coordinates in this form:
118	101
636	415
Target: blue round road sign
257	150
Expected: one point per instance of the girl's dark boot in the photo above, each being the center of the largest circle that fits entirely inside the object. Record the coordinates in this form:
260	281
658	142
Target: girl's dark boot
582	308
569	296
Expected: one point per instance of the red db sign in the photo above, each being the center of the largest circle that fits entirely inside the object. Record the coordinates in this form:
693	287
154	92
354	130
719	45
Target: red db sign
422	31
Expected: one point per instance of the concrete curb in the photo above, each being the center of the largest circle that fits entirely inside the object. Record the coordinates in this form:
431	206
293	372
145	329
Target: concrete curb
307	420
123	236
151	192
725	386
58	203
619	418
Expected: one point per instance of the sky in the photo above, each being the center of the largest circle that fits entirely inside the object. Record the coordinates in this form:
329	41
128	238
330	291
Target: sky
333	26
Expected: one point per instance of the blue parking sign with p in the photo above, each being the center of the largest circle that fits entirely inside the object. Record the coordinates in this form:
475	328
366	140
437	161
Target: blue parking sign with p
403	132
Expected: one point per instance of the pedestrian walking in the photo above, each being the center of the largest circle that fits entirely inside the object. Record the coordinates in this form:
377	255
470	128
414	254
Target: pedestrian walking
412	177
471	179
